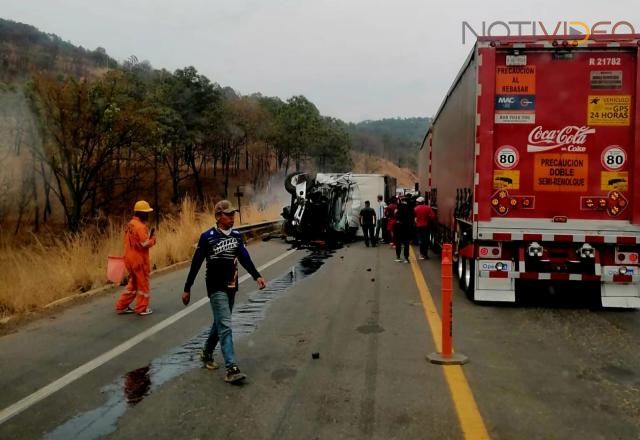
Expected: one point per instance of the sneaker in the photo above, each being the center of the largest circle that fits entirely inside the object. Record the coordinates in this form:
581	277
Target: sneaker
126	311
421	257
406	261
148	311
398	260
234	375
208	361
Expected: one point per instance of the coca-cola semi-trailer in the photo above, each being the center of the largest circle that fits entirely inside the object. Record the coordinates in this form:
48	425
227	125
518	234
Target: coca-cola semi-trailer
532	163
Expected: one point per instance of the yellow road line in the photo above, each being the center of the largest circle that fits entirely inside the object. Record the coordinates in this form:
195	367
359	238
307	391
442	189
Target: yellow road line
471	421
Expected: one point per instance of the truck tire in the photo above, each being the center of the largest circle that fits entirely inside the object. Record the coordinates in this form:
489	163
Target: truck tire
469	278
293	179
460	271
436	240
460	263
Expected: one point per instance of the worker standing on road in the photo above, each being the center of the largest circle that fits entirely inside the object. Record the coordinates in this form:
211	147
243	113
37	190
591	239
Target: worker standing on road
381	224
403	229
137	242
368	223
391	220
223	248
424	215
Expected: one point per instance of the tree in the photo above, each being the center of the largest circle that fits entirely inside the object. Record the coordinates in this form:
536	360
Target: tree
83	124
332	146
254	122
187	101
297	123
271	128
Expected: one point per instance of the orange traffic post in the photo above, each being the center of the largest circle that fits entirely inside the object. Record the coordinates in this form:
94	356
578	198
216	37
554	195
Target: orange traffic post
447	286
447	356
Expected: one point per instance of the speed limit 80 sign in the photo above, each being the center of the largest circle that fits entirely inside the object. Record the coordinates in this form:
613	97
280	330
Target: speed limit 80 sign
614	157
507	157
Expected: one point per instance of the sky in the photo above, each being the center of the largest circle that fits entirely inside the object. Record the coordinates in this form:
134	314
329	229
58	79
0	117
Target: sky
354	59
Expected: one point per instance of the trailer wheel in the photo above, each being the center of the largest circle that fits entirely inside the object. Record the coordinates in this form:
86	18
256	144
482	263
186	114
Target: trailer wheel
469	278
460	267
460	271
436	240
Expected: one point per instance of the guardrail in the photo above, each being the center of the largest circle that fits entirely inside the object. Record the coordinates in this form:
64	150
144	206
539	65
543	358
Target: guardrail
248	232
257	229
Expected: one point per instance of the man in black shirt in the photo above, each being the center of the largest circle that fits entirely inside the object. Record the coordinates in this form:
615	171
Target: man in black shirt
368	223
223	248
403	229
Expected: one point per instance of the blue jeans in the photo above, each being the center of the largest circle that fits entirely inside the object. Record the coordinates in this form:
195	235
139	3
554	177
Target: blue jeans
221	306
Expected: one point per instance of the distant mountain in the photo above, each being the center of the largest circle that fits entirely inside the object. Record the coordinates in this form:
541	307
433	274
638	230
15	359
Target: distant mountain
395	139
25	50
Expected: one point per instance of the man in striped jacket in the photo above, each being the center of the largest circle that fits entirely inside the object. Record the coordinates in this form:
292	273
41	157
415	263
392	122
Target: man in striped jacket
223	248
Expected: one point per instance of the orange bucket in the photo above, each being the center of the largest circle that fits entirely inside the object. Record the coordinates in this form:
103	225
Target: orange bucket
115	269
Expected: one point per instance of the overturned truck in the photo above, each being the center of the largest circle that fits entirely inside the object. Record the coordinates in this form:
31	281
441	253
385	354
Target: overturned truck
326	206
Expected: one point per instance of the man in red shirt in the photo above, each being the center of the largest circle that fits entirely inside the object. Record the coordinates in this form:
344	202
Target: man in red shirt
424	215
390	215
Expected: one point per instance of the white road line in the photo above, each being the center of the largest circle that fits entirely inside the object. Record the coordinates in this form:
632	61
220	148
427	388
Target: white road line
76	374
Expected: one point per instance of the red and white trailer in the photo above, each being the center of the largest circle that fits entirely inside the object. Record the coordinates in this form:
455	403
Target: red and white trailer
532	161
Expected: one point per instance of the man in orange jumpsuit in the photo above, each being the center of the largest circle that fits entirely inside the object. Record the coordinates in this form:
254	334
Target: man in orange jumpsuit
137	242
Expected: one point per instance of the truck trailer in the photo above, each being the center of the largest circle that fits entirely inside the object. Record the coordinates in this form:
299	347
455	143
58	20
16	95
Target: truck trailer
532	164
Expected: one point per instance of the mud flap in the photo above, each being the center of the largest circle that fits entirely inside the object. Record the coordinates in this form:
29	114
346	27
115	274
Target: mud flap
495	289
626	296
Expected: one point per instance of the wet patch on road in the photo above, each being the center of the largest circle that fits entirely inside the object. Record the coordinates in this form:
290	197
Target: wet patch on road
137	384
621	375
246	316
134	386
370	328
282	374
129	390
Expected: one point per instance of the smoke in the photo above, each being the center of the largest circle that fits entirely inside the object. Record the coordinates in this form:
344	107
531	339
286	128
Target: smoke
267	201
19	140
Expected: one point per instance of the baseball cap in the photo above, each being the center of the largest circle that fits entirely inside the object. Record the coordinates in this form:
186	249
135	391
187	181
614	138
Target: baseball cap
224	206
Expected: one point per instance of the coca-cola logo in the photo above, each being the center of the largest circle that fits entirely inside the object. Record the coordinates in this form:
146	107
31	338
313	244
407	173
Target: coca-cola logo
570	138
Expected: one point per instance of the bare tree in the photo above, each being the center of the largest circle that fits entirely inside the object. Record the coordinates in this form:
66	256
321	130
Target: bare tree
85	123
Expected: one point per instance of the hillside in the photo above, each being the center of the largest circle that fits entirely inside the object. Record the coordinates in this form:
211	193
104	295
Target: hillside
367	164
154	134
394	139
244	140
25	50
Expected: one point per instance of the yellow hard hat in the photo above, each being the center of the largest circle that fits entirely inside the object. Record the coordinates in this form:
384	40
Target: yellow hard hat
142	206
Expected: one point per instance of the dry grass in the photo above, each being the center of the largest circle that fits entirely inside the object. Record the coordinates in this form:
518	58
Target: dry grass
33	276
253	214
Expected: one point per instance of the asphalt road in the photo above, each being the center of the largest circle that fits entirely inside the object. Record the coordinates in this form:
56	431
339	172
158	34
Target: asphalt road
551	368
